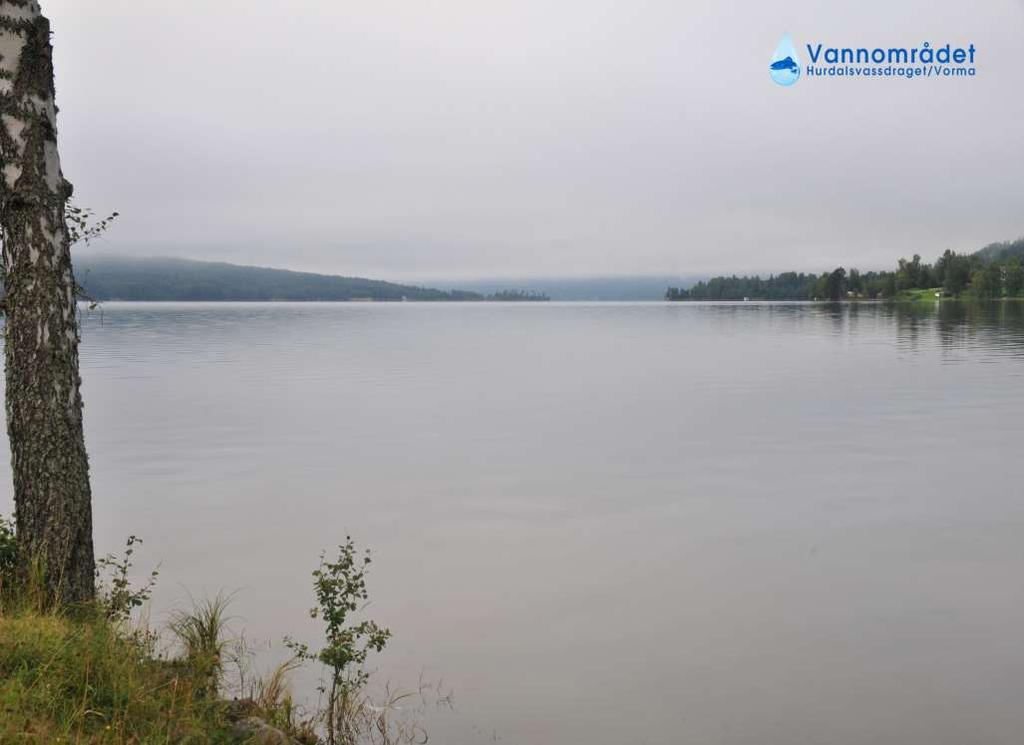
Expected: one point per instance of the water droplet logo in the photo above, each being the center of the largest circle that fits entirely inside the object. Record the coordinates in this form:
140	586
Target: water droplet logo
785	65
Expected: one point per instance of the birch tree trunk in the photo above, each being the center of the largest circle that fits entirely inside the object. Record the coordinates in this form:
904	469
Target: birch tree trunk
53	510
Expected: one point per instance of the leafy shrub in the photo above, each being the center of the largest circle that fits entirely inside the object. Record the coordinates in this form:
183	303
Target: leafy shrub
340	588
117	594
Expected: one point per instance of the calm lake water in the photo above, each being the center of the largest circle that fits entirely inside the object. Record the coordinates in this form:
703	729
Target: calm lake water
603	524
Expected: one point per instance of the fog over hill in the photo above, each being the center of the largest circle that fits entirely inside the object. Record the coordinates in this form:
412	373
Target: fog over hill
585	288
147	278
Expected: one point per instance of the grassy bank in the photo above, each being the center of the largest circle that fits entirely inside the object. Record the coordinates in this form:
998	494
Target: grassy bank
83	679
936	294
90	676
99	675
918	295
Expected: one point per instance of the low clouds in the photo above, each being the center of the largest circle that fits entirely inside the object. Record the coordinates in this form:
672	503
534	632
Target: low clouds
452	139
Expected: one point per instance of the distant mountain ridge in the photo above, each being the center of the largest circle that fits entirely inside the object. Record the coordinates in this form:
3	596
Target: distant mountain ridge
153	279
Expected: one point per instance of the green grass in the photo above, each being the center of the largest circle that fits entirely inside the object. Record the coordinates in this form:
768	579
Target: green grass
85	680
201	633
919	295
913	296
82	680
86	675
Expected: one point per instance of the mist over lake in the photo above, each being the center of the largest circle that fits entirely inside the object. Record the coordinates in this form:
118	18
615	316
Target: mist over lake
778	524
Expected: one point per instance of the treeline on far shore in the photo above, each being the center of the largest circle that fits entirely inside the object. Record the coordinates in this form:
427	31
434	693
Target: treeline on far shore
995	271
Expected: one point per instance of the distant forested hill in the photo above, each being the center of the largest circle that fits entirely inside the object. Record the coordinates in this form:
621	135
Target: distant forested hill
121	278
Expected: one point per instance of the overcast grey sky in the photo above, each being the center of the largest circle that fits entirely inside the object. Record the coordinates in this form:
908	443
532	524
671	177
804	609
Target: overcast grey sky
461	138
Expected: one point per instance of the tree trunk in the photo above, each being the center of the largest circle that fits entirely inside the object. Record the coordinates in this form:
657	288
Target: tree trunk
53	510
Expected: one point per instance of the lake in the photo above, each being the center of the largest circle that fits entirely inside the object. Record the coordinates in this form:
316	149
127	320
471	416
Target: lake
763	524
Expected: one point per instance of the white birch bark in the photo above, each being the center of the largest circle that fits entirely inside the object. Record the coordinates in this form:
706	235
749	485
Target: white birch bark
53	512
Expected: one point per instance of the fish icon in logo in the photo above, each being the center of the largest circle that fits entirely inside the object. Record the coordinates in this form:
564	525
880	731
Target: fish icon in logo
785	65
